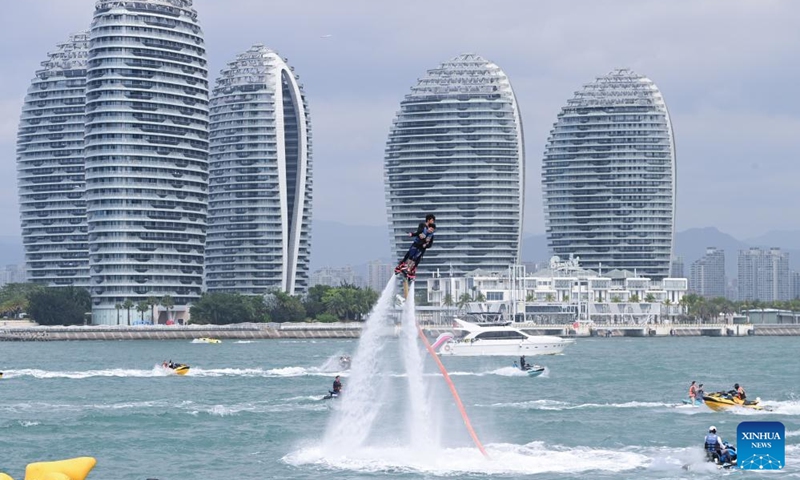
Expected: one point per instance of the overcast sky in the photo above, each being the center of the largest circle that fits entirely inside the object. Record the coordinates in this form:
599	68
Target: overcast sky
728	69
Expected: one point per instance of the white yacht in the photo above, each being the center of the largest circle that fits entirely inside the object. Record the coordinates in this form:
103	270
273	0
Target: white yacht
496	340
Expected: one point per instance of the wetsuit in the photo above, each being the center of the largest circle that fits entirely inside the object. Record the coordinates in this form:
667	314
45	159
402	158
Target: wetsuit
337	386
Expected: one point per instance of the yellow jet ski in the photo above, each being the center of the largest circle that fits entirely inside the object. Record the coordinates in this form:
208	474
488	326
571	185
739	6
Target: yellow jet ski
71	469
1	374
722	400
178	368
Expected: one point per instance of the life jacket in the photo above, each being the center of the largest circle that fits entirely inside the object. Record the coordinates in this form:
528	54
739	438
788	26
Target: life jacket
711	443
692	391
740	392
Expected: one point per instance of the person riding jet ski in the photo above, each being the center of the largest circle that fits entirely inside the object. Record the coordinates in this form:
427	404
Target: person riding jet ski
717	451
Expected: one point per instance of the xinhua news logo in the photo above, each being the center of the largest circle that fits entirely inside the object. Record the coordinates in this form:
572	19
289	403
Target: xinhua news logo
761	446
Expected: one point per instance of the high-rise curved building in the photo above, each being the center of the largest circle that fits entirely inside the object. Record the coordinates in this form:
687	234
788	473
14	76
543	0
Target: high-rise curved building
259	225
50	169
455	150
146	150
609	177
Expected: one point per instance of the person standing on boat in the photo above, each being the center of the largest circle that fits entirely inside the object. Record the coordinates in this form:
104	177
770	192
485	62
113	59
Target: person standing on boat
692	392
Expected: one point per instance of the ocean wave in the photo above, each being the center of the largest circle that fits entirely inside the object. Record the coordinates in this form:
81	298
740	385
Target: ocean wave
505	459
309	402
156	371
558	405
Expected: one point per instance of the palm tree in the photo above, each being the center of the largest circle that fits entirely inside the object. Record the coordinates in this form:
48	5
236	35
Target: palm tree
118	307
634	298
168	303
152	302
549	297
463	300
127	306
480	297
530	297
141	308
650	298
447	301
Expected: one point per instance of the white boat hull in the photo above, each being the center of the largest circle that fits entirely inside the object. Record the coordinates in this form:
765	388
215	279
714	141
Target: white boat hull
540	345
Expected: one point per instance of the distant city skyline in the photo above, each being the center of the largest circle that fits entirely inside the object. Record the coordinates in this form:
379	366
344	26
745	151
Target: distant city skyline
737	131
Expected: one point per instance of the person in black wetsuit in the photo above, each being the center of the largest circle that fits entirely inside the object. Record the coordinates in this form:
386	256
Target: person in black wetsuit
422	242
337	386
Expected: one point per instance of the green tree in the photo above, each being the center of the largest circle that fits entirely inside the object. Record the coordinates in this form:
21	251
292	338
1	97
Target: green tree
650	298
152	301
479	297
634	298
314	300
118	307
615	299
14	298
226	308
530	297
549	297
447	301
463	300
167	302
127	305
335	303
59	306
142	307
287	308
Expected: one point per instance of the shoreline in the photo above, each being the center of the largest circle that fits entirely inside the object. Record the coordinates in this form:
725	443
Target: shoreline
269	331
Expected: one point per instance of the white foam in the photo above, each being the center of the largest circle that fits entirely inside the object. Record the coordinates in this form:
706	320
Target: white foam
556	405
505	459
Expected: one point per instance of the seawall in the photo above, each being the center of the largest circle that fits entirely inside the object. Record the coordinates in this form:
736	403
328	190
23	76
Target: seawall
250	331
260	331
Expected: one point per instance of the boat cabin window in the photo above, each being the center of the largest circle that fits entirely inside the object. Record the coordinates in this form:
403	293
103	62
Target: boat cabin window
507	335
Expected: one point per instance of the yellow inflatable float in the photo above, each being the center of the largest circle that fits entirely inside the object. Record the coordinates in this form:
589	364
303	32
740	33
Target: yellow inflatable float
71	469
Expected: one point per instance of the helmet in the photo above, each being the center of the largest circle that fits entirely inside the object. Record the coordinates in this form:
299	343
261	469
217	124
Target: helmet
712	429
735	385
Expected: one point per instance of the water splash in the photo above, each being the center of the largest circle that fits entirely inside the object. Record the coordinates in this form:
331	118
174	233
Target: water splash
351	424
418	414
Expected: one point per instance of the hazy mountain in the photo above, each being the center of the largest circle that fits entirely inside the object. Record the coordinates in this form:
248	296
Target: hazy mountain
11	250
785	239
336	245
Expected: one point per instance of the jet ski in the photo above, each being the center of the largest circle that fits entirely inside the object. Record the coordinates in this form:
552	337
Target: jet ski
535	370
714	457
331	395
1	374
178	368
344	362
722	400
532	370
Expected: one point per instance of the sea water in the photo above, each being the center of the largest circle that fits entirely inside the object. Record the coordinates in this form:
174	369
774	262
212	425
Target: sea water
608	408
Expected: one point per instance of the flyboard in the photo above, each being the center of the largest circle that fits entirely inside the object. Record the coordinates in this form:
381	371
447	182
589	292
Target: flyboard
447	379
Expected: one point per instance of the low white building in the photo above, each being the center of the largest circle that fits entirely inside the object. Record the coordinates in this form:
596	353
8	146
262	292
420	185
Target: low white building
563	293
